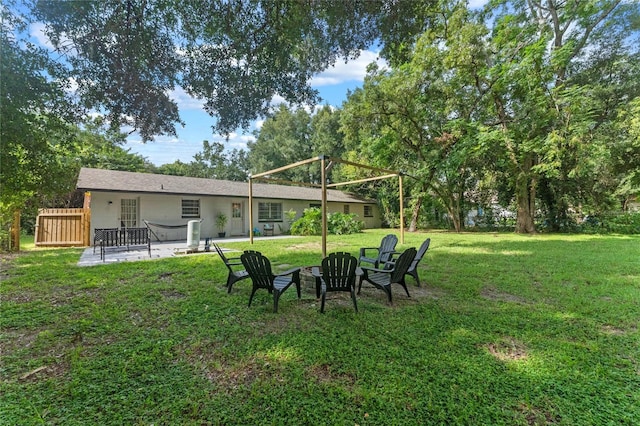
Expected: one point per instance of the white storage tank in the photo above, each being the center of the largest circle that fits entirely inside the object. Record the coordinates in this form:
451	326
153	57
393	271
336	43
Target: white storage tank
193	234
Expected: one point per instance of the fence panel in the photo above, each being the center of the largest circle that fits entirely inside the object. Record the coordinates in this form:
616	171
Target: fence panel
62	227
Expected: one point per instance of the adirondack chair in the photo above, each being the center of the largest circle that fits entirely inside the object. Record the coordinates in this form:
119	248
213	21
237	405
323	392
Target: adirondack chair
338	273
259	270
383	278
232	263
382	253
413	268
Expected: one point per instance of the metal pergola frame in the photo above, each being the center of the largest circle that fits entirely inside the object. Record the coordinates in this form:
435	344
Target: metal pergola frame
326	162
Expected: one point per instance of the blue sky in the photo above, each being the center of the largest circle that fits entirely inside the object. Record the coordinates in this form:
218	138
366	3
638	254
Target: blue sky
332	85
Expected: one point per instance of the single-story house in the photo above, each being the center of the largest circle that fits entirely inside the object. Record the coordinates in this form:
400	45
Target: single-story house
127	199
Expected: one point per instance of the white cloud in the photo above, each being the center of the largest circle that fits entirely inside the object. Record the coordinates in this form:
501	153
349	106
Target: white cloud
313	109
277	100
73	84
239	141
477	4
37	32
184	100
353	70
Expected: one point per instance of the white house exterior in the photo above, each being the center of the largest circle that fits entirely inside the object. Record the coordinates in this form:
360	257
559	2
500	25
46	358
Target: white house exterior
128	199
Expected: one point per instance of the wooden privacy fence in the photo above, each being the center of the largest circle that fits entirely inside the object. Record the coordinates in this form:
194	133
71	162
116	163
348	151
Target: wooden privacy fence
63	227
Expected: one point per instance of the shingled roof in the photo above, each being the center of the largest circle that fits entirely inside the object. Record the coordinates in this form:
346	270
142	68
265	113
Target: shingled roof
117	181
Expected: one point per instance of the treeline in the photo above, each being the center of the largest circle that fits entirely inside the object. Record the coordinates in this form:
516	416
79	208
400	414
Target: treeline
521	106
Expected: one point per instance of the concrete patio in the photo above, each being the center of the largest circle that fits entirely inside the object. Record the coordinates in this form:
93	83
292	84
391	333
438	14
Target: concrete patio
159	250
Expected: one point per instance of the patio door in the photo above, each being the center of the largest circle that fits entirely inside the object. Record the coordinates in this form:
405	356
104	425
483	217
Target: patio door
129	212
237	218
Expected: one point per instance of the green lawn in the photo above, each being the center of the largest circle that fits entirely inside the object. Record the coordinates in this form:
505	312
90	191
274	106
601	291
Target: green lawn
506	329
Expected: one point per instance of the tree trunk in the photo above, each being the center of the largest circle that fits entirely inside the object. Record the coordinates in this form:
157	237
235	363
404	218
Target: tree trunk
413	226
525	202
454	213
457	224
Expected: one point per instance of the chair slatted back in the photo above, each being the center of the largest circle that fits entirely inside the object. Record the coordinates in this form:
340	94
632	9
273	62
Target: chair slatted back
220	253
387	247
259	269
421	252
402	265
339	271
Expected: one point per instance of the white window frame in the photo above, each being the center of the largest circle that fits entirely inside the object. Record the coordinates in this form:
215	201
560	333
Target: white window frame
190	208
269	212
368	211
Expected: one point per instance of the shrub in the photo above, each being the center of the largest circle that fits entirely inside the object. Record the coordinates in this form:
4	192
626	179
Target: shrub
289	217
309	224
342	224
337	223
625	223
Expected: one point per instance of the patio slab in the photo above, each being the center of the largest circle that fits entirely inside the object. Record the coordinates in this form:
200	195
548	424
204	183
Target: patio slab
159	250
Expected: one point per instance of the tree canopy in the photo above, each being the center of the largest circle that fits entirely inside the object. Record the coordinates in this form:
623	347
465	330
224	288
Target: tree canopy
289	136
523	91
127	56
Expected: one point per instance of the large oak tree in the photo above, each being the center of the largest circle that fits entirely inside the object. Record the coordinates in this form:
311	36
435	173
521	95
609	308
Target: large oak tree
534	87
236	55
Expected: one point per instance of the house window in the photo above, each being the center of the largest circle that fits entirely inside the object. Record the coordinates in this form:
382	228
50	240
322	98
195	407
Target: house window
368	211
345	209
129	213
190	209
270	212
314	205
236	210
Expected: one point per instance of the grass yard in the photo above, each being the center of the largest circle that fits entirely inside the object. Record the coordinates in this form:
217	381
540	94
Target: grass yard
506	329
